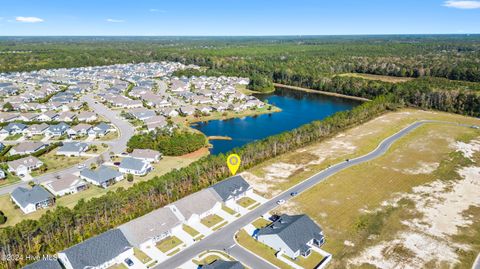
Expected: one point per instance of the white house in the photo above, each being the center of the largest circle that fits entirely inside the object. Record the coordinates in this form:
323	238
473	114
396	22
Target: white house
30	200
65	184
134	166
193	208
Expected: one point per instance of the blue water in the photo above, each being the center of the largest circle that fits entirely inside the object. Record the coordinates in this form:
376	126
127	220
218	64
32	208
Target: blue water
298	108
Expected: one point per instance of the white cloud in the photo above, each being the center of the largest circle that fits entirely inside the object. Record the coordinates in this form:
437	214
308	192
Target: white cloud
462	4
29	19
156	10
114	20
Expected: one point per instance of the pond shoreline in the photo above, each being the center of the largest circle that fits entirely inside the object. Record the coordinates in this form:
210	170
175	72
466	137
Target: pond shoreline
321	92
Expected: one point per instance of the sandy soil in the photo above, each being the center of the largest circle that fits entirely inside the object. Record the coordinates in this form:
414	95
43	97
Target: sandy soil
428	238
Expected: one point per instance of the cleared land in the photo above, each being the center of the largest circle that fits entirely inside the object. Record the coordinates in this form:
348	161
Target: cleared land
395	210
377	77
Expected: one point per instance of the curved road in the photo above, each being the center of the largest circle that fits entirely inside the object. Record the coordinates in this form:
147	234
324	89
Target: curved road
223	239
125	129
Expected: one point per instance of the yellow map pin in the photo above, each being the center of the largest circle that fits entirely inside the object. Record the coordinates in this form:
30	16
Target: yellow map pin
233	162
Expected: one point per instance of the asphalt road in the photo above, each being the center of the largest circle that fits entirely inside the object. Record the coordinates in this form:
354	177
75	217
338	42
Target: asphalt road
476	264
117	146
223	239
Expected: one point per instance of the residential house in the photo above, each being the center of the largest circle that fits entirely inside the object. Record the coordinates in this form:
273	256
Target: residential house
57	129
141	113
151	228
36	129
24	165
101	251
187	110
134	166
147	155
2	146
232	189
99	130
292	235
103	176
193	208
27	147
8	117
65	184
3	175
221	264
30	200
48	116
72	149
87	116
27	117
13	128
67	116
45	264
79	130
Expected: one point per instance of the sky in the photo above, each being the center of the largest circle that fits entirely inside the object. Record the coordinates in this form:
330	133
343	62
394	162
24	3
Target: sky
236	17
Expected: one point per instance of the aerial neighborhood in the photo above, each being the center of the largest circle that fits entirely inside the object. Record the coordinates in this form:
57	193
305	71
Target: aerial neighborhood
64	133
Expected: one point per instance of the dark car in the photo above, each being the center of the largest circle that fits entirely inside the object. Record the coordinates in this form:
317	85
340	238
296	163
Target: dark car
293	193
116	163
129	262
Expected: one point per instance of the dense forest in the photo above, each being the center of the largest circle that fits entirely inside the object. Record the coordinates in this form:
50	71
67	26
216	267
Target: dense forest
445	71
170	144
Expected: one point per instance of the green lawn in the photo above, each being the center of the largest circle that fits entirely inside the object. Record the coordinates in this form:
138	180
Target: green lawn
118	266
206	260
144	258
229	210
37	137
260	223
57	162
9	179
13	137
246	202
211	220
169	243
192	232
220	225
110	136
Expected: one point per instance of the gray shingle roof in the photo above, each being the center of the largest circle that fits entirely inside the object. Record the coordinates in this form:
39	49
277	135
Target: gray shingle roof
73	147
296	231
221	264
34	195
97	250
44	264
232	186
150	225
102	174
132	164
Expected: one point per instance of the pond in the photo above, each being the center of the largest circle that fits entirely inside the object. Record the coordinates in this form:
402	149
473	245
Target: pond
298	108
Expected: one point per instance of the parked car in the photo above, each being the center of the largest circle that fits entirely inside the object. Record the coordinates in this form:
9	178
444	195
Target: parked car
280	202
129	262
116	163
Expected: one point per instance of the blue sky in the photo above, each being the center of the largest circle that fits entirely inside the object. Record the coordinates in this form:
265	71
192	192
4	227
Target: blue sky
237	17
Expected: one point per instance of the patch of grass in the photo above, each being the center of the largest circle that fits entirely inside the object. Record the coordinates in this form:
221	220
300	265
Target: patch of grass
260	223
13	137
218	227
37	137
169	243
9	179
211	220
174	252
144	258
110	136
390	79
228	210
192	232
206	260
246	202
118	266
57	162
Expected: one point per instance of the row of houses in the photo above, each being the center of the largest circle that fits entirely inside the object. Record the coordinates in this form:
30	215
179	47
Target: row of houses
56	130
290	235
139	162
50	115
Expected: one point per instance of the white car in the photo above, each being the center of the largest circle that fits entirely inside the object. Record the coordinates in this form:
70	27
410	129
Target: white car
280	202
81	166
